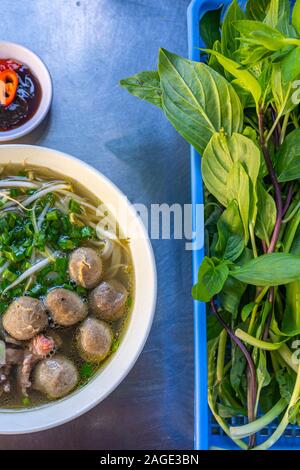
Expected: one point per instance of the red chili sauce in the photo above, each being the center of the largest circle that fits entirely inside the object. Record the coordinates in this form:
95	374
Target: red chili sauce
26	97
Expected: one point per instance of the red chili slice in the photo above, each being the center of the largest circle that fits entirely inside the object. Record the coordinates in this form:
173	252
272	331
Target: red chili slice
8	86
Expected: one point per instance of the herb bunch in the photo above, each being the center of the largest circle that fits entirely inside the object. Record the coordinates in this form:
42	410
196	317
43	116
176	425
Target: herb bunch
240	110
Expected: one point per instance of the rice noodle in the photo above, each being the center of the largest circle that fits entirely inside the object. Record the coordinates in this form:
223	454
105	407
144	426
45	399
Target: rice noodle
115	262
114	269
44	192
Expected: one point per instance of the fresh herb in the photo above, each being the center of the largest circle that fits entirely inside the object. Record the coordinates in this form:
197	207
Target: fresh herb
240	110
86	370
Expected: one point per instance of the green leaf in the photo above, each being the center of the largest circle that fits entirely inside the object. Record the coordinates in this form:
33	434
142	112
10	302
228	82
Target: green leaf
197	100
273	269
260	34
257	10
286	382
210	26
288	167
239	191
263	376
144	85
278	16
266	213
212	347
213	325
296	16
231	243
218	161
245	78
247	310
211	279
231	294
291	319
230	41
237	369
294	412
290	66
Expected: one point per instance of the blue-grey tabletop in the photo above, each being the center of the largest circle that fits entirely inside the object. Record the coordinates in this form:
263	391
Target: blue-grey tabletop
88	45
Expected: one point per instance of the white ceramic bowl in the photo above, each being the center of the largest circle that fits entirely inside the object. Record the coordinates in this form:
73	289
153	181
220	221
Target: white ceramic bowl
120	363
10	50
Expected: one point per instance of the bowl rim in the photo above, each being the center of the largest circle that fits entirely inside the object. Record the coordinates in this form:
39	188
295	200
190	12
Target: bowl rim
27	414
39	116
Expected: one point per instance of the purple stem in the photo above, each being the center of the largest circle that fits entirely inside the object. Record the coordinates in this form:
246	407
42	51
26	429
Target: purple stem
275	184
251	372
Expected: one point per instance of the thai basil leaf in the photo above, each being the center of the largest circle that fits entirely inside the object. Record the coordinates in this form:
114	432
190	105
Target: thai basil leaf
237	369
290	66
286	382
231	242
210	27
256	10
288	167
219	158
278	16
239	191
212	347
144	85
229	41
214	327
211	279
233	290
260	34
245	78
244	95
273	269
296	16
266	213
247	310
263	376
213	62
197	100
231	294
269	396
293	413
291	318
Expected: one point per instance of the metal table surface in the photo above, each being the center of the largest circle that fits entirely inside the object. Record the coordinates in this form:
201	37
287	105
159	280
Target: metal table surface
88	46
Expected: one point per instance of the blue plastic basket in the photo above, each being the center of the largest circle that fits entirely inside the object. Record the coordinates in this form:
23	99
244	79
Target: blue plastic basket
207	432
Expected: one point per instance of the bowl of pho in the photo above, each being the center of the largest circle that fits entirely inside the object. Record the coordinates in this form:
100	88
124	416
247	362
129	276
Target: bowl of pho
77	288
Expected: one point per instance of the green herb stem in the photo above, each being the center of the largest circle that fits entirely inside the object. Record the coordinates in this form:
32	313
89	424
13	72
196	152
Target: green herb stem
257	343
221	355
240	432
285	420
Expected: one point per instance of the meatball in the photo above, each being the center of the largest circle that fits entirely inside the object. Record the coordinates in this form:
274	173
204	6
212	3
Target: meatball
25	318
66	307
85	267
94	340
107	301
55	377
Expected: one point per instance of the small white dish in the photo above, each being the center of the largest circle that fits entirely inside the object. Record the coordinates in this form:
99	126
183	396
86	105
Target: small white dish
140	321
10	50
